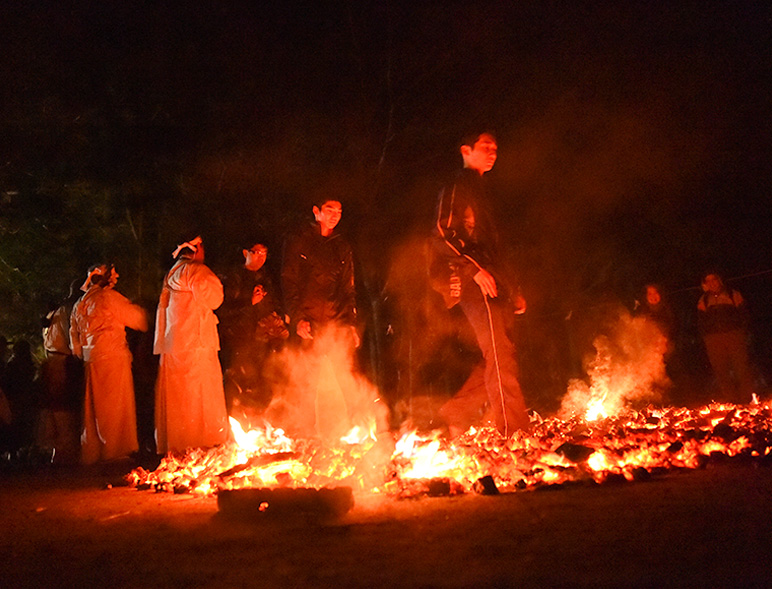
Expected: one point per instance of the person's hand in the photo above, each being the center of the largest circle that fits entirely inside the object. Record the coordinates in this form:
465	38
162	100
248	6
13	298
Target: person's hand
304	329
487	283
258	294
520	304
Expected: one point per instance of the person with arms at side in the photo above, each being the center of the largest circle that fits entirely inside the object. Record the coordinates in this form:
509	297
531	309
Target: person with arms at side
654	308
317	279
98	335
722	318
62	383
468	270
190	407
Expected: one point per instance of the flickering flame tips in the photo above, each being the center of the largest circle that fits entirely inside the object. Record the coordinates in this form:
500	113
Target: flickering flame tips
361	435
596	410
627	445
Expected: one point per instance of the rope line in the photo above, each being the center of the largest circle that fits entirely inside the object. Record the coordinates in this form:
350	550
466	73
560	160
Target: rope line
496	362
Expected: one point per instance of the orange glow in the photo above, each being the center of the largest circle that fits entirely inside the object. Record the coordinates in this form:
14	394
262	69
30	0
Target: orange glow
595	410
556	451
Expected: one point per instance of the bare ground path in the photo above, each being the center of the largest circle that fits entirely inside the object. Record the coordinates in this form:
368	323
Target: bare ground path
708	528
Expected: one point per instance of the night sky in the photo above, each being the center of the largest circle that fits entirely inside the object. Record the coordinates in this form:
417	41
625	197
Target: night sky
634	140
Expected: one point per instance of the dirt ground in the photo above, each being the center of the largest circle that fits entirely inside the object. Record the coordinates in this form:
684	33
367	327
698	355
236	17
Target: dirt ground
698	528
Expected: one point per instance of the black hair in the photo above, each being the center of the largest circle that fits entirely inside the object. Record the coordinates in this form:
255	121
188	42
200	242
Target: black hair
715	271
250	243
74	288
319	200
104	278
473	135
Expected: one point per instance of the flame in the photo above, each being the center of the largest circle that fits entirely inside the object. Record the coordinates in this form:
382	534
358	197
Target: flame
425	458
596	410
627	444
256	440
360	435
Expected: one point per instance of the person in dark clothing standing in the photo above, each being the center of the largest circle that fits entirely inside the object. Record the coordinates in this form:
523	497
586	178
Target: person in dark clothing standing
317	276
61	375
21	388
251	328
466	268
722	318
654	308
317	280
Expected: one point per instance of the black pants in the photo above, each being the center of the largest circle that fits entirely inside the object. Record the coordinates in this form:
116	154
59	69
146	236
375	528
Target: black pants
490	319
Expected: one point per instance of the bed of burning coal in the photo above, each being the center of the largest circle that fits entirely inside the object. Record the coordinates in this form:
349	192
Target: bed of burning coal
659	497
632	446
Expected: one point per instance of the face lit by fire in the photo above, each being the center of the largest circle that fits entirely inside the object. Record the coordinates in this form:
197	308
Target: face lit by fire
712	283
255	257
198	255
482	155
328	216
652	296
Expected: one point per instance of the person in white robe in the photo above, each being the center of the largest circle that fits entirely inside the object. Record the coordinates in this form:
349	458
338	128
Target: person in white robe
190	407
98	336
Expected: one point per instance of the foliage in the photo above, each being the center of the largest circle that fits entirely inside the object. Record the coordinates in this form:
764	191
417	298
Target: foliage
127	127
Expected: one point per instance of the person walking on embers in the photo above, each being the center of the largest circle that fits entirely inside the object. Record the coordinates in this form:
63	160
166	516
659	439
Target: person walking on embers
722	318
317	279
98	336
190	402
466	268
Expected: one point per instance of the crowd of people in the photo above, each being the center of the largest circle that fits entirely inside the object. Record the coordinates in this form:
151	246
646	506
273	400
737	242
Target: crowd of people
214	336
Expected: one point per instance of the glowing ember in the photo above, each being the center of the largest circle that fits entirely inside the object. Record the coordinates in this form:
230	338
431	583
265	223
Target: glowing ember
629	445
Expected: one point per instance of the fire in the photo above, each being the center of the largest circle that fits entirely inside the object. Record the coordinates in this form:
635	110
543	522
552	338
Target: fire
596	410
631	445
425	458
261	457
255	440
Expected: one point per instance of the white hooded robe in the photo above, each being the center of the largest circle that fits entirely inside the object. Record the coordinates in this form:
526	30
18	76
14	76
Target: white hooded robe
189	398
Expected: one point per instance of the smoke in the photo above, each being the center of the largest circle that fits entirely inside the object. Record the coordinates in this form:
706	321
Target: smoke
318	393
627	370
432	349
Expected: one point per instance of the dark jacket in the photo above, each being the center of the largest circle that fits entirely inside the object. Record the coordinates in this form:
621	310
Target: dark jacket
317	278
722	312
242	324
465	237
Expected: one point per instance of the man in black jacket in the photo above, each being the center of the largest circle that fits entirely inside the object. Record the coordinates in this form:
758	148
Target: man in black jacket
317	281
317	275
466	270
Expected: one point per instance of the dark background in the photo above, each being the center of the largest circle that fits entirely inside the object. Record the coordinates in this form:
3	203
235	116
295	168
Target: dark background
634	145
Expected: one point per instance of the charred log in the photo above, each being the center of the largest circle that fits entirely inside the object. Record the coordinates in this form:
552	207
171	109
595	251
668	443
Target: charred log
486	486
285	503
576	453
